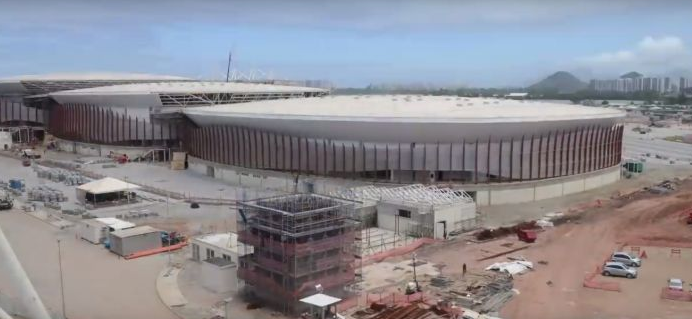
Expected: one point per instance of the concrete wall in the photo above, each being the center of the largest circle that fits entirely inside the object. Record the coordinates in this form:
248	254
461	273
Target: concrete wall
219	279
485	194
496	194
457	217
387	218
88	149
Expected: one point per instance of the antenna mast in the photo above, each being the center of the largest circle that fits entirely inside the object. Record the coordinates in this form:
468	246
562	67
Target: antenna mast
228	69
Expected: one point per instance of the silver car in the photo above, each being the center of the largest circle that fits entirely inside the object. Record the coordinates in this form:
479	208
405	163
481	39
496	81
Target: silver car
619	269
626	258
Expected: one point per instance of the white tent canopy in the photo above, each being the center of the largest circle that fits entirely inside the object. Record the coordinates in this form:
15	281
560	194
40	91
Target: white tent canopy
103	186
107	185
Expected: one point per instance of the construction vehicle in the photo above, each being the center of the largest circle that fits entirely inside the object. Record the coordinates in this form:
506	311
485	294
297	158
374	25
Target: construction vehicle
6	201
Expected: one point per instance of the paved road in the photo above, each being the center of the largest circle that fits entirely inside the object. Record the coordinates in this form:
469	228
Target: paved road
97	283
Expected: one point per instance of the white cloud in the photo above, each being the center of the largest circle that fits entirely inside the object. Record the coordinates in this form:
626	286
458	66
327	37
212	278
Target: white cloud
651	55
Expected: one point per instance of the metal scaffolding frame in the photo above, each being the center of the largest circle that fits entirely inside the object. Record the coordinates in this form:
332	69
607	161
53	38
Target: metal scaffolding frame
300	242
416	194
206	99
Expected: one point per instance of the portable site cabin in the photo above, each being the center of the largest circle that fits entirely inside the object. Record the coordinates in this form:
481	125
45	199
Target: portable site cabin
128	241
96	230
105	191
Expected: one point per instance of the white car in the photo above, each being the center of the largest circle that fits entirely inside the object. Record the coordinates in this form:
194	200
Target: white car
676	284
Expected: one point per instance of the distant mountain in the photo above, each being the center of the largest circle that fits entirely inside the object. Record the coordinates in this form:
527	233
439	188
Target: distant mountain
561	82
631	75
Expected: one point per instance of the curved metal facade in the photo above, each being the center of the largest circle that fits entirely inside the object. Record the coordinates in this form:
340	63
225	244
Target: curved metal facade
94	124
486	159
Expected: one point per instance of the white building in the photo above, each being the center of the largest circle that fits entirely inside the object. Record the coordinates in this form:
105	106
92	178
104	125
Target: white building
96	230
418	210
218	254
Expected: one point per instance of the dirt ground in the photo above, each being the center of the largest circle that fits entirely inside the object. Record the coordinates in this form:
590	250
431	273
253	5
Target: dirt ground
573	250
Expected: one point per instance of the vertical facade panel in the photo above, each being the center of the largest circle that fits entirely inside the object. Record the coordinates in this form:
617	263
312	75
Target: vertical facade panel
475	163
531	158
487	161
511	159
540	159
521	159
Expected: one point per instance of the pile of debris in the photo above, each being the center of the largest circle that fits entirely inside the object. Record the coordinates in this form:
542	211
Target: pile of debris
46	194
663	187
492	233
61	176
482	292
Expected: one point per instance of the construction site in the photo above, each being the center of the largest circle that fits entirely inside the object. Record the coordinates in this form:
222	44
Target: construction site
207	216
303	244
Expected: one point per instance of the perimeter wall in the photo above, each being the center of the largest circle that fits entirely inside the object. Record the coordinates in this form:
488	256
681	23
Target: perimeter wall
486	194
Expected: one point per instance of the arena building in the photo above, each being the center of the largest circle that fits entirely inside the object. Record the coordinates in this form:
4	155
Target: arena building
518	150
301	138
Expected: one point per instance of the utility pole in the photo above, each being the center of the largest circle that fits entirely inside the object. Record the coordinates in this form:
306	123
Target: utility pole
415	279
62	283
228	68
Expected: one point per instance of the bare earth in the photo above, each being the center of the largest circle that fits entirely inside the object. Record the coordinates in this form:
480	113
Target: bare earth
575	249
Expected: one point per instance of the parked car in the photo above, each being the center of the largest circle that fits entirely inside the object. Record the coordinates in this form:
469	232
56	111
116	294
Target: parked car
626	258
675	284
614	268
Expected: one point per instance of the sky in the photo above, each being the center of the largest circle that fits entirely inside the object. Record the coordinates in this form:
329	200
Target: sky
352	43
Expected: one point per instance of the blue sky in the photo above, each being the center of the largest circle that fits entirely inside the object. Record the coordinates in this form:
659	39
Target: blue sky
351	43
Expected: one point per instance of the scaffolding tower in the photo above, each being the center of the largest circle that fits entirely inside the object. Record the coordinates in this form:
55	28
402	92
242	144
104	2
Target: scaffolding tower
303	244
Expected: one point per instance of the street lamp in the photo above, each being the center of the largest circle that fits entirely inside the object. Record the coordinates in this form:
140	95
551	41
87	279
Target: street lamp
415	280
62	283
225	305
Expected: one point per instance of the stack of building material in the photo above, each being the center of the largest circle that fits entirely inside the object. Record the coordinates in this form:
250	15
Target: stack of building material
60	175
178	162
46	194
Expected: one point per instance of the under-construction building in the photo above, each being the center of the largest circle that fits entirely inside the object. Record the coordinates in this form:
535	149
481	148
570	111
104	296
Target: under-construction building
303	244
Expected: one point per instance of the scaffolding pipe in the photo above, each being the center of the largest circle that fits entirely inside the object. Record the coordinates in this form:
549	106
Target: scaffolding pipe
28	296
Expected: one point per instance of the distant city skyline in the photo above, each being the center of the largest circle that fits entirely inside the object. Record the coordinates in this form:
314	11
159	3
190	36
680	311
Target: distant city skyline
496	43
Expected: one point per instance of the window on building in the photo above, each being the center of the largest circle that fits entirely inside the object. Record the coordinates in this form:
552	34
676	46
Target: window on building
404	213
210	253
227	257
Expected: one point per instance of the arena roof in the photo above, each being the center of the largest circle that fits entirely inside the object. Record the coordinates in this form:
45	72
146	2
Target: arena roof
388	108
404	118
188	87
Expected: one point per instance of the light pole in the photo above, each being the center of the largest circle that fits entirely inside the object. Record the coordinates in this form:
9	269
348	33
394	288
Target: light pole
62	283
225	306
415	280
